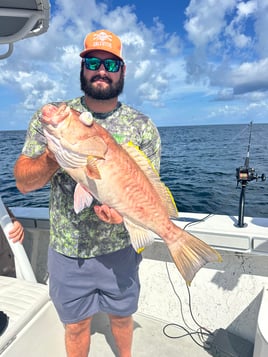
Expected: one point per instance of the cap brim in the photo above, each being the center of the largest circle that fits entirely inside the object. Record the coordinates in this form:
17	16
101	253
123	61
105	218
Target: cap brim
85	52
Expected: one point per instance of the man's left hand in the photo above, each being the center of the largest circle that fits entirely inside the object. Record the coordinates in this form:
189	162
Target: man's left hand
108	214
16	233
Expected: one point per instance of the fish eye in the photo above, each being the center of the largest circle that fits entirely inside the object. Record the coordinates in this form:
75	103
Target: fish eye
86	118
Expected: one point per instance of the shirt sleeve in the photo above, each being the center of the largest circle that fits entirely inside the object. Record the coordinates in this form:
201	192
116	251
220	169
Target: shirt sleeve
35	142
151	143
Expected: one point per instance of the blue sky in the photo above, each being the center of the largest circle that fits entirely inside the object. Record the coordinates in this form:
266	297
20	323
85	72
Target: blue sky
188	62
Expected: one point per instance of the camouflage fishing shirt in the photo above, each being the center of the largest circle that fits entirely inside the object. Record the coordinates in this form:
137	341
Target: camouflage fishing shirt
85	235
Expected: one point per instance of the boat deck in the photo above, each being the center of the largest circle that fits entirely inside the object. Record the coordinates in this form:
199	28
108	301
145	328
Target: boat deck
149	339
33	322
225	296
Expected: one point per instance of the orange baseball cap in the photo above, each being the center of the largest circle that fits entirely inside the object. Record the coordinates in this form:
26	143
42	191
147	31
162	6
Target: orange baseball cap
103	40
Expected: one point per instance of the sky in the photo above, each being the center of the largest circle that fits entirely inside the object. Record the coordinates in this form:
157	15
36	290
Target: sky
197	62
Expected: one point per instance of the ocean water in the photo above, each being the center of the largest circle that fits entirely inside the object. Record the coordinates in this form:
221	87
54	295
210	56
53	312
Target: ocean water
198	165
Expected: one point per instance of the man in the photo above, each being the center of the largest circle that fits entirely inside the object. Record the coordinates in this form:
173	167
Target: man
92	266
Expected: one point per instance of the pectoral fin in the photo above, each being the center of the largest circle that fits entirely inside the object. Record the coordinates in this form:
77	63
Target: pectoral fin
82	198
92	169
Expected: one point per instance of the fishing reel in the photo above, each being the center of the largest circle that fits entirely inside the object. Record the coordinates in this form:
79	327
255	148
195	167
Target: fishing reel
246	174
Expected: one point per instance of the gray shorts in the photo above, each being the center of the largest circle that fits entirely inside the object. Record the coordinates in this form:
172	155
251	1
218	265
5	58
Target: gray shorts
79	288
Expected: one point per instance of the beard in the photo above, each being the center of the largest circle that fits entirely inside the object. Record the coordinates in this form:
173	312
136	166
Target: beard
112	91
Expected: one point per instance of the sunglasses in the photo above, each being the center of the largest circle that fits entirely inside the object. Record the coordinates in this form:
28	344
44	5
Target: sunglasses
111	65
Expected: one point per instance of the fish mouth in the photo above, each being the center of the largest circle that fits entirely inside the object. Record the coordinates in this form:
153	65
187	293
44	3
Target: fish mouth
53	115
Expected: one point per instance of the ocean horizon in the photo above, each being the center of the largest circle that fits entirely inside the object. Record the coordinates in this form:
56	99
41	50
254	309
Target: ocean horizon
198	164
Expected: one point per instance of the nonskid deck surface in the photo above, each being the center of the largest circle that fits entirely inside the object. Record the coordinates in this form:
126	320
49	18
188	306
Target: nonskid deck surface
149	340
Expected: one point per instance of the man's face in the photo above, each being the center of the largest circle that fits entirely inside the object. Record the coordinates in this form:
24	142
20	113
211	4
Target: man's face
101	84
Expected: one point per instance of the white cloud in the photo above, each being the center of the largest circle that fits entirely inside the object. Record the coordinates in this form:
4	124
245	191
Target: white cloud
236	28
206	19
55	63
261	28
232	31
250	77
173	44
246	8
226	50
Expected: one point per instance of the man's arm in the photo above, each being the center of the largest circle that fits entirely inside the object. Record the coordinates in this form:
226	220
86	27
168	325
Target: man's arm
34	173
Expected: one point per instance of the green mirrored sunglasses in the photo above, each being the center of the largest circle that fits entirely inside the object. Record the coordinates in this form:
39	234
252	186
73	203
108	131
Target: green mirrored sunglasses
111	65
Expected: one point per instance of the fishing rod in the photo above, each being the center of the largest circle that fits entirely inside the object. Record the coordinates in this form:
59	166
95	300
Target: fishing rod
245	174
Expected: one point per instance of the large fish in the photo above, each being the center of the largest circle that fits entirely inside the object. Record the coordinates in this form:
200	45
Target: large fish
121	177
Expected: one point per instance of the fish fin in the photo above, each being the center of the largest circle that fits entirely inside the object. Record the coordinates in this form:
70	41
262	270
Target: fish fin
82	198
149	170
92	169
139	236
169	201
189	254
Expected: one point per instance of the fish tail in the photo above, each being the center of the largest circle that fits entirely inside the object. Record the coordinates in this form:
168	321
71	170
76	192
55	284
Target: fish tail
190	254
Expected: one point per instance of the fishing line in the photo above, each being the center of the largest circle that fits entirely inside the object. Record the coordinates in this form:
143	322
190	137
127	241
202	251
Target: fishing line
240	133
223	254
200	336
192	223
201	332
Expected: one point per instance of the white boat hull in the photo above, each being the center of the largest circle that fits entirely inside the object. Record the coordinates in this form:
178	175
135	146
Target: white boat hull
224	295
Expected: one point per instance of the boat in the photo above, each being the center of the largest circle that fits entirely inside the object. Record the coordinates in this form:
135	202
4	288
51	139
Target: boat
223	312
20	19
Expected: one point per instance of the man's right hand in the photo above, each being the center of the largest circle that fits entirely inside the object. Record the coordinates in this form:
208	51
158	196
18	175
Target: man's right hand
34	173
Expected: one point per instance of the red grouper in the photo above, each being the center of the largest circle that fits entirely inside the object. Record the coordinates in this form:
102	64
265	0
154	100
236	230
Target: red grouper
123	178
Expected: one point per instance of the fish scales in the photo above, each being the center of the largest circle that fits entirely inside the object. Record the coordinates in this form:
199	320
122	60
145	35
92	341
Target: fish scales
126	178
140	198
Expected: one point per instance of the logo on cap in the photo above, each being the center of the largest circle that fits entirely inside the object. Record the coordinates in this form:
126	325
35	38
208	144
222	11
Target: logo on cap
102	39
